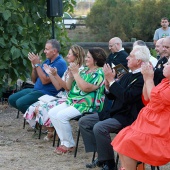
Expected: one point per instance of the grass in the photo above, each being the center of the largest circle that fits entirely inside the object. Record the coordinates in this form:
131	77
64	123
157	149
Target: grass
81	34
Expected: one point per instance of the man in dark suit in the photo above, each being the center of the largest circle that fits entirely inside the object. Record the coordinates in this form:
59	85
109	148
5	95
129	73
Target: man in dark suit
126	95
158	73
118	55
159	49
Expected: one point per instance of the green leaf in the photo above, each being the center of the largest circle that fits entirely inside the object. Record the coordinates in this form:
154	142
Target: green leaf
2	42
5	36
2	28
6	14
20	29
16	53
16	72
4	66
14	40
25	52
24	62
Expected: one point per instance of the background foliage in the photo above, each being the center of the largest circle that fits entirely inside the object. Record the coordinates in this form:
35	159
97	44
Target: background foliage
23	29
127	18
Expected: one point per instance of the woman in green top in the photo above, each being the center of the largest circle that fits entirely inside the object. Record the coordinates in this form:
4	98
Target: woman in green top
86	94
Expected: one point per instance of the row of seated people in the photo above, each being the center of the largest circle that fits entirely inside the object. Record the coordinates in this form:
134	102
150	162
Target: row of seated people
84	92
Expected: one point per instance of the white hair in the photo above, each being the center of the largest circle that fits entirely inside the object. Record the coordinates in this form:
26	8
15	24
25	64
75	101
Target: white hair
142	53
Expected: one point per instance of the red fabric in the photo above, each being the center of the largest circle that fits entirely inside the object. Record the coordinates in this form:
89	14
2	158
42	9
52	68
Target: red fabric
145	102
148	138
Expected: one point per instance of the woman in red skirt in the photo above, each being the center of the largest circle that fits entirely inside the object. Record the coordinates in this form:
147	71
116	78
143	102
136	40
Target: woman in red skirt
148	138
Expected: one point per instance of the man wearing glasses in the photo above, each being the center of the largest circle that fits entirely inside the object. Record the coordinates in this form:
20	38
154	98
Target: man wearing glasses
118	55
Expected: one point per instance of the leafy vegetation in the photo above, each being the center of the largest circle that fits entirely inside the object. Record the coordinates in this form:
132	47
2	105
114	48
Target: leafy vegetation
127	18
25	27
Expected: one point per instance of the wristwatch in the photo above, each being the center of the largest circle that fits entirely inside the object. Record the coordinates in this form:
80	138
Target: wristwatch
36	65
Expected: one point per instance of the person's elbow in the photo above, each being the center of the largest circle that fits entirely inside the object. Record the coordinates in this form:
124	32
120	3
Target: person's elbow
45	81
33	80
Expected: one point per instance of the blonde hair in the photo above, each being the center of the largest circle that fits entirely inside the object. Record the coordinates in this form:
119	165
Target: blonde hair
79	53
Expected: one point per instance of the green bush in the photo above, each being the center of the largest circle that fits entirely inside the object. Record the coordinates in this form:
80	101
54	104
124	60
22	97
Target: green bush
23	29
127	18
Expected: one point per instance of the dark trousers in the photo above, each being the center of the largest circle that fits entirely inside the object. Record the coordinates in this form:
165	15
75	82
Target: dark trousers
21	100
96	135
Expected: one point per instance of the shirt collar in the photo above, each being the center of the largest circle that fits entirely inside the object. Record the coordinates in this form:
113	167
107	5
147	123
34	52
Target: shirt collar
118	51
121	49
136	71
57	58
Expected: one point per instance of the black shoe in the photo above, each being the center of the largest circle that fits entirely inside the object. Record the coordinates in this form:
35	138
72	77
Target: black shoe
95	163
105	167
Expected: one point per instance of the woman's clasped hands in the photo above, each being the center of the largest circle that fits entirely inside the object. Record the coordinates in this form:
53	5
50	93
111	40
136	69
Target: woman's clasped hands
147	70
74	68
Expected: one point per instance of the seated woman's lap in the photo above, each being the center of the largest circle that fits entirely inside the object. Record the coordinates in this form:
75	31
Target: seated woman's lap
63	112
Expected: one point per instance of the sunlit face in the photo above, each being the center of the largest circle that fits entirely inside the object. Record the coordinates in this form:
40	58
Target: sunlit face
89	60
166	46
113	46
164	23
132	61
70	56
166	70
49	51
158	47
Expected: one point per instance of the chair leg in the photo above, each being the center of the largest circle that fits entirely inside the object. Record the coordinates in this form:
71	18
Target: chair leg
152	167
94	154
77	142
40	128
58	143
24	123
18	114
55	133
117	161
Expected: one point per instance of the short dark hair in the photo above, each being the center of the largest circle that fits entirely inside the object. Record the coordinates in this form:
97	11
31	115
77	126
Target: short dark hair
99	56
55	44
165	18
140	42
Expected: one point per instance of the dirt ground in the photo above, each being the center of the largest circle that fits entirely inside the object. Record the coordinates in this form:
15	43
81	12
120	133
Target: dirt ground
22	150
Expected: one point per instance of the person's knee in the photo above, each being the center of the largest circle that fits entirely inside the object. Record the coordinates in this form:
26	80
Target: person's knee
51	112
21	106
11	100
98	128
81	121
56	115
60	117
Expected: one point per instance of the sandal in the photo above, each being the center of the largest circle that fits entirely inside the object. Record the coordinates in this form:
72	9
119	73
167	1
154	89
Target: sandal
49	136
62	150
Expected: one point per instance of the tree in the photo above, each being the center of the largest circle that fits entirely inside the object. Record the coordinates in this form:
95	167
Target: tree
126	18
24	27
